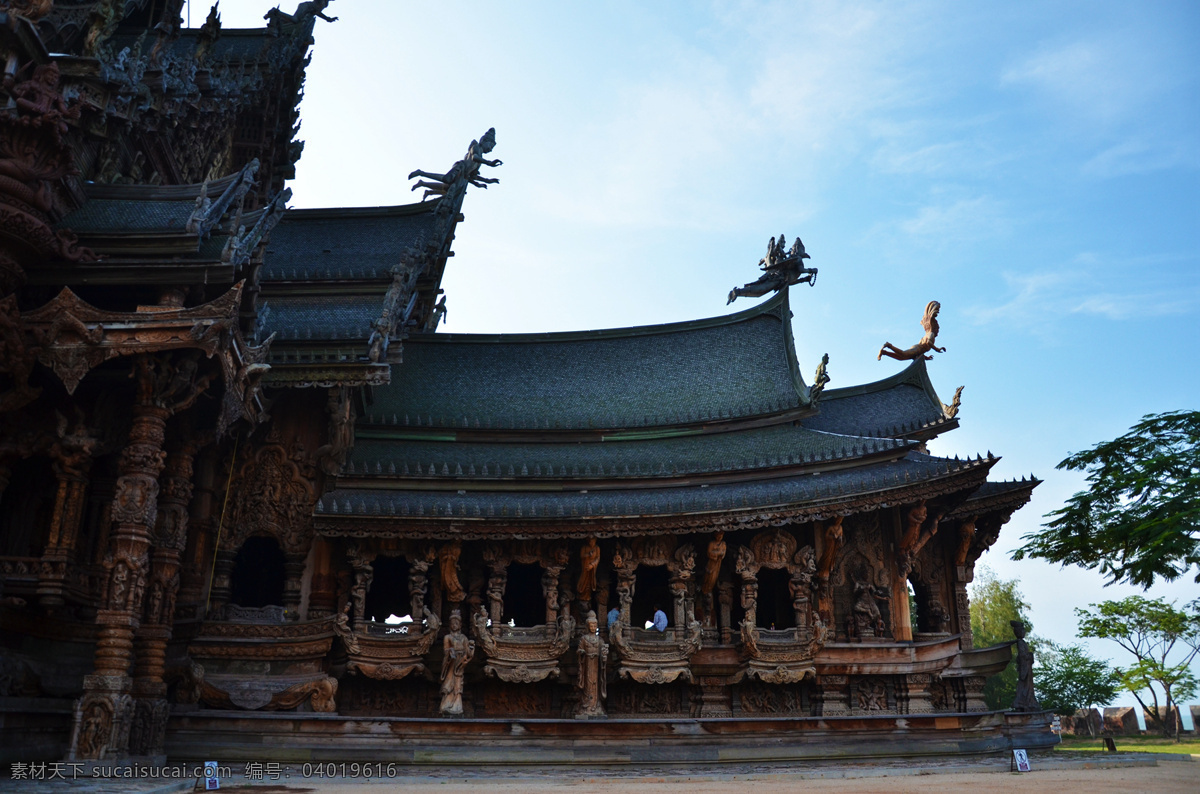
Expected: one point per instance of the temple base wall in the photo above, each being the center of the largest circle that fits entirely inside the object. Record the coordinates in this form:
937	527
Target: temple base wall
34	729
301	738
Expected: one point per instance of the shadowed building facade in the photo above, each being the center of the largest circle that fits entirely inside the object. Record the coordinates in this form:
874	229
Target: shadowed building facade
255	504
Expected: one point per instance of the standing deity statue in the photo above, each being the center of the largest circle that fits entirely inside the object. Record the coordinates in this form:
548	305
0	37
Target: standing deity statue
1024	699
457	652
448	567
930	324
593	659
716	553
589	559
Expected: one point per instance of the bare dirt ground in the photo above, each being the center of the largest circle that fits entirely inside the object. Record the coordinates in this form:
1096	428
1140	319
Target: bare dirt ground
1176	776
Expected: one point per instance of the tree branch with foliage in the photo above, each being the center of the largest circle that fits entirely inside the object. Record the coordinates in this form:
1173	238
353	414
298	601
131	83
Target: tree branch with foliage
1152	631
995	603
1068	679
1139	519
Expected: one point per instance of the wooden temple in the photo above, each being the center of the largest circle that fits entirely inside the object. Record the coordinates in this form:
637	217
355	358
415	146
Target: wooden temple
256	506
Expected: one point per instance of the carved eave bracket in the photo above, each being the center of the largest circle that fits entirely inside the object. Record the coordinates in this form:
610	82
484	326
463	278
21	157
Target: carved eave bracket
72	337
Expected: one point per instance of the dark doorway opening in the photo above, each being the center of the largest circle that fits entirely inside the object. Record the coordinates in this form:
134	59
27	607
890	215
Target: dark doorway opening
524	600
775	609
652	590
389	589
258	573
26	509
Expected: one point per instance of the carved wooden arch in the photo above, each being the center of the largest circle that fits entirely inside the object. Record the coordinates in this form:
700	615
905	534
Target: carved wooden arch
361	556
931	590
776	549
653	551
275	497
552	556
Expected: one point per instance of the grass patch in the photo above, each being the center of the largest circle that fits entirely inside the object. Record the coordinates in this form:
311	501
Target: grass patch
1141	744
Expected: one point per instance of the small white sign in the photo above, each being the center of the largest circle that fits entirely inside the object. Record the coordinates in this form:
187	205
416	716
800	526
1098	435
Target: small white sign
1056	724
1021	758
211	781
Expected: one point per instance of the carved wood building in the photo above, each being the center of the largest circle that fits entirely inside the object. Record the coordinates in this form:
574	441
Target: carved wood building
234	450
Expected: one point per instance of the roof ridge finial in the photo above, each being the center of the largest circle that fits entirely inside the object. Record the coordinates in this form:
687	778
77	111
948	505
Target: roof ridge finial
782	269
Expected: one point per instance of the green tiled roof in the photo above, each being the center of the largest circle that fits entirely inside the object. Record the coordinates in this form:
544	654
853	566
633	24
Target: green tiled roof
741	365
332	317
839	486
899	404
125	215
419	455
356	243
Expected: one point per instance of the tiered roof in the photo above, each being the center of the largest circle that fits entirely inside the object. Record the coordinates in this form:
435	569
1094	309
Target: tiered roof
683	427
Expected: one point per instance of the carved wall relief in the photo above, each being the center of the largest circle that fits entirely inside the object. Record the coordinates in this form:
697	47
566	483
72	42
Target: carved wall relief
629	698
861	582
410	697
501	699
760	699
275	496
872	694
932	590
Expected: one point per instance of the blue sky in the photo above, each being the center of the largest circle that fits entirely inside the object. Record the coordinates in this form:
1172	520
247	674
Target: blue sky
1033	166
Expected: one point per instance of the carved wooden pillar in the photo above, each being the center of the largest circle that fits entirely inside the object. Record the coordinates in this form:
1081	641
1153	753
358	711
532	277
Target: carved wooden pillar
71	466
364	574
201	528
962	606
102	715
918	696
221	587
322	596
550	593
679	599
908	530
5	475
725	598
973	690
901	616
602	607
835	695
293	567
418	585
149	727
715	697
495	593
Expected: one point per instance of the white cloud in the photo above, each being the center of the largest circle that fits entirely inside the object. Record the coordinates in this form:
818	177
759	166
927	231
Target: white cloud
1036	299
1141	156
964	219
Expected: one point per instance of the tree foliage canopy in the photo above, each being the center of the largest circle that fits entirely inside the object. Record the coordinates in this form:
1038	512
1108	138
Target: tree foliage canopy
995	602
1069	679
1163	639
1139	519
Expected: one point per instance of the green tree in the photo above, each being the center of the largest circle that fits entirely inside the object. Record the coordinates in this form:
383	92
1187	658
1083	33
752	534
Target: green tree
995	602
1163	639
1068	679
1139	519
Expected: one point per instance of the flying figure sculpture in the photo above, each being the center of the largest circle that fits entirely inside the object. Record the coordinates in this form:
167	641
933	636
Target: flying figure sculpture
783	268
466	169
930	324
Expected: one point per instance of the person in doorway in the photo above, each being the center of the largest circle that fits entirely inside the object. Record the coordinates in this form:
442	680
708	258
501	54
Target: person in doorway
613	614
660	618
